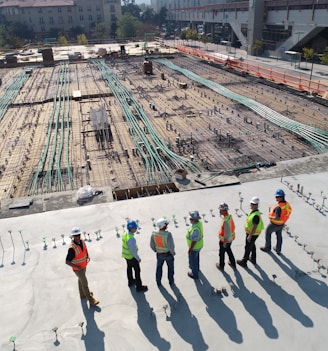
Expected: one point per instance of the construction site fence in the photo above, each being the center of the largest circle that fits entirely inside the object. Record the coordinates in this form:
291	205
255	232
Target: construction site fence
300	83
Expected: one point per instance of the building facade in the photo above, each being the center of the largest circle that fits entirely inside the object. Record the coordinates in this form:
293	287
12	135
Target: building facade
280	25
44	15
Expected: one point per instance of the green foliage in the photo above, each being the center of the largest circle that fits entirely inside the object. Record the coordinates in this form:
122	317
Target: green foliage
308	54
324	57
257	46
127	26
62	41
132	9
100	31
82	39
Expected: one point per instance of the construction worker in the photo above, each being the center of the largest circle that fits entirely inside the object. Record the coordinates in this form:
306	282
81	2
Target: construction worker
253	227
130	253
194	238
78	258
278	216
162	243
226	236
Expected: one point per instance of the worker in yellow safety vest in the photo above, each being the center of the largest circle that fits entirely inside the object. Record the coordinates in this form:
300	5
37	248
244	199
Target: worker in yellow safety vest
162	243
130	253
278	216
195	243
253	228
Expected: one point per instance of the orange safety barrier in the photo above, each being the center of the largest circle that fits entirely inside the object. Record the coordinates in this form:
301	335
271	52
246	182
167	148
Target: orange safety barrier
297	82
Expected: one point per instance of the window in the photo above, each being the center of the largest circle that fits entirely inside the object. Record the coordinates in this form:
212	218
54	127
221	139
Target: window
97	8
99	18
89	9
41	20
39	10
59	9
90	17
81	18
80	9
69	9
43	28
112	8
51	20
70	19
60	20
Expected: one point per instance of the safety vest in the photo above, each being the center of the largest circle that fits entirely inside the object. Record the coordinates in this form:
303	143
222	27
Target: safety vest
199	243
81	256
160	239
249	223
126	252
231	224
286	210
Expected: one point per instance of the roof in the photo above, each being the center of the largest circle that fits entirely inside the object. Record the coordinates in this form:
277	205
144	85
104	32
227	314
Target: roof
280	303
54	3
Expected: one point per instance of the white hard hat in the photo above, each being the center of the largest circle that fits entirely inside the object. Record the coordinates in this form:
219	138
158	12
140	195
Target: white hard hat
76	231
161	223
255	200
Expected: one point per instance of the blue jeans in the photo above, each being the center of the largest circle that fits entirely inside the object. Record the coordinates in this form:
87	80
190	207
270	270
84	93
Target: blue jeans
269	230
169	259
194	263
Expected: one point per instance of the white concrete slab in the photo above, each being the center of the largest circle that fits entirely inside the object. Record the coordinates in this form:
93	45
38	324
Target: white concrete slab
279	305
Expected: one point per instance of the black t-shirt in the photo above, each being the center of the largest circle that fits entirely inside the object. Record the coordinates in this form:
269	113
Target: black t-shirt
71	253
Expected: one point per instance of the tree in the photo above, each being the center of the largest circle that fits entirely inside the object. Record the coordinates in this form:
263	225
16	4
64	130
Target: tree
148	16
257	46
82	39
308	54
131	9
62	41
100	31
324	57
127	26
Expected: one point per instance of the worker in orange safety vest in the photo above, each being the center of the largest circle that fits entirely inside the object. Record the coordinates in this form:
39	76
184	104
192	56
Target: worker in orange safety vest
162	243
278	216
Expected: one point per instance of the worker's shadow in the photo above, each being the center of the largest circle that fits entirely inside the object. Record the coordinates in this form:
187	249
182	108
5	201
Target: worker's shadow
255	306
183	321
148	323
315	289
218	310
281	298
93	337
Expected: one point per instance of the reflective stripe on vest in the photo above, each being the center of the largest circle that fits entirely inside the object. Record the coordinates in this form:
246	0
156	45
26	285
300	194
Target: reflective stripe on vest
249	223
286	210
199	242
160	239
126	252
231	224
80	257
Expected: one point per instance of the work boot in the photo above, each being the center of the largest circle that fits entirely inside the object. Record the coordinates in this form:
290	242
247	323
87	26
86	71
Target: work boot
142	288
242	263
219	267
253	261
233	266
264	249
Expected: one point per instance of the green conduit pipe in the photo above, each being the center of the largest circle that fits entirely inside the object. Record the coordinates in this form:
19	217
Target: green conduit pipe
318	138
156	167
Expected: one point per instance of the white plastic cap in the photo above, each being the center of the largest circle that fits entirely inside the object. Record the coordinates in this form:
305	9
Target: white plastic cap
255	200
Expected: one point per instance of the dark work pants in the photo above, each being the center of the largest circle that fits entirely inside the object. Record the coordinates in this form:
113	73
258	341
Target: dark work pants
133	265
250	249
227	250
169	259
